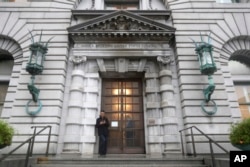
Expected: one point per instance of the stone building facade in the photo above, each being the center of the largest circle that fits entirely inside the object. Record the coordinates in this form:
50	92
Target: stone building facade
135	60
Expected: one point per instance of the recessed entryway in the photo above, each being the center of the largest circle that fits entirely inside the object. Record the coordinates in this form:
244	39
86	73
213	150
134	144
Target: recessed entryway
122	100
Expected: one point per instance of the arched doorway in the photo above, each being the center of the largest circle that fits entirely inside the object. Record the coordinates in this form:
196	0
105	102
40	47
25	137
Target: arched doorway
6	65
235	59
11	57
240	71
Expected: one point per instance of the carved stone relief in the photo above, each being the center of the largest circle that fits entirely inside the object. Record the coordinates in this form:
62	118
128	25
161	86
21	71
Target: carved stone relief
93	4
121	23
164	61
150	4
78	59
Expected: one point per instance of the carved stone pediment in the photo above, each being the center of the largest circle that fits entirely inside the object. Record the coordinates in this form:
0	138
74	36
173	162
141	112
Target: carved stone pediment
121	24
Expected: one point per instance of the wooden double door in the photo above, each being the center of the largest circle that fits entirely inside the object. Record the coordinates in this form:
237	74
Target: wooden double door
123	104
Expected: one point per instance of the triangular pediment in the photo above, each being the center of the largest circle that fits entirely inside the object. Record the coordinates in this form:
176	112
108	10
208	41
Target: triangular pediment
122	24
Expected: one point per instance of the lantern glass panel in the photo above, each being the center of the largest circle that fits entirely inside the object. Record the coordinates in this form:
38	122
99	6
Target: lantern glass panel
206	58
39	58
32	57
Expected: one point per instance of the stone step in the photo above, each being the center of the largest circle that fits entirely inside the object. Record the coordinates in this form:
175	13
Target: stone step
119	165
119	162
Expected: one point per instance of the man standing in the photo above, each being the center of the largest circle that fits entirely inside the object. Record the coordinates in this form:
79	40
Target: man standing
102	124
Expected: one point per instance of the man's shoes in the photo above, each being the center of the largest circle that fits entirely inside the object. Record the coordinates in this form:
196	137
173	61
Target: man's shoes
102	156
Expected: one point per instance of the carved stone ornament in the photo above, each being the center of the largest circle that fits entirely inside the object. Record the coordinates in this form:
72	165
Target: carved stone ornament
93	4
78	59
150	4
122	23
164	61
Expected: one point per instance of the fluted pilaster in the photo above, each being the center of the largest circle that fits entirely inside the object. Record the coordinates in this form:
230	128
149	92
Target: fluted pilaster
91	102
72	138
168	110
153	114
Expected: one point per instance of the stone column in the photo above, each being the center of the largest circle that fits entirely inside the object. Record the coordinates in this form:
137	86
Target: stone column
72	138
168	109
91	101
153	114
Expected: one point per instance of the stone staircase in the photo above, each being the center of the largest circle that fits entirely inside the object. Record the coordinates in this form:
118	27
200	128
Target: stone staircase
118	161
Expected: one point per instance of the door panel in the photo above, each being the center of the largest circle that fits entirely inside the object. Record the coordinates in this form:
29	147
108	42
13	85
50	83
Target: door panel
122	101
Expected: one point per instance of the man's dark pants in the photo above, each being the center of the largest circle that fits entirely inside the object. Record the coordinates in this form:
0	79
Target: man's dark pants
103	141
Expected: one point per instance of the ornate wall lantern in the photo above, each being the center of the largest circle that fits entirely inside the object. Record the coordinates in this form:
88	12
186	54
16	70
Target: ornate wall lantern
35	67
207	67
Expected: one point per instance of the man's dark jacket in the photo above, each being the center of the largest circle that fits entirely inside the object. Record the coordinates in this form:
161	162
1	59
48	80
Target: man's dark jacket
102	129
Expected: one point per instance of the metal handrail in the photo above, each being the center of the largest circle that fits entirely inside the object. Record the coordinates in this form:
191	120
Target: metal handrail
193	143
31	142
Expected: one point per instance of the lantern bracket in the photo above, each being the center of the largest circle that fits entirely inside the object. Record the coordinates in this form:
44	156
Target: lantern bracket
209	90
33	90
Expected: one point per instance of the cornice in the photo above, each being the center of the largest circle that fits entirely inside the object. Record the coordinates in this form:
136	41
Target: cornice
165	13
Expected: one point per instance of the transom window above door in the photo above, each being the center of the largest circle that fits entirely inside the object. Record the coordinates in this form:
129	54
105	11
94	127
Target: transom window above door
121	4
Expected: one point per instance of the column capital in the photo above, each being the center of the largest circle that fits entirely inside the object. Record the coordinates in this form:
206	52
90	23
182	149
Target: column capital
78	59
164	61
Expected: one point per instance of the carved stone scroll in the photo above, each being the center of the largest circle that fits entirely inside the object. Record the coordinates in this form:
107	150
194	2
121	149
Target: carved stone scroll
78	59
164	61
